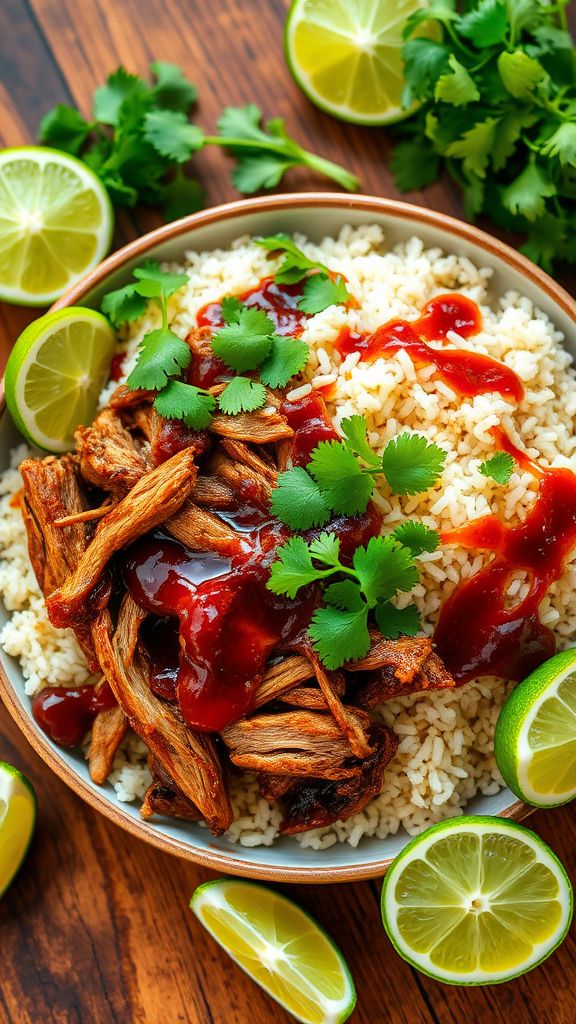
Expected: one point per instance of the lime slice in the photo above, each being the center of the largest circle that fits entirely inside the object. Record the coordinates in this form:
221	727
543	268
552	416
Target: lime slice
535	738
17	820
280	946
346	55
56	223
475	901
55	374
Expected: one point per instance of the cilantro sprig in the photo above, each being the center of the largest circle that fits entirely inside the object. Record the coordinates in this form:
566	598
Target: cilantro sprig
498	467
352	593
321	288
162	356
497	108
140	138
340	476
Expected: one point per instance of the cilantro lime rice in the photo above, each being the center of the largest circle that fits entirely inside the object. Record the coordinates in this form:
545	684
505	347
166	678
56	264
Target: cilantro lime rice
445	752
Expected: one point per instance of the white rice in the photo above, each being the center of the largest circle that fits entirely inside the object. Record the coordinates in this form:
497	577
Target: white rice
445	738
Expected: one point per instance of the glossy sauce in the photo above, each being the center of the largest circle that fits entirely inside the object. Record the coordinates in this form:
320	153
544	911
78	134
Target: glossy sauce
66	713
310	424
477	633
467	373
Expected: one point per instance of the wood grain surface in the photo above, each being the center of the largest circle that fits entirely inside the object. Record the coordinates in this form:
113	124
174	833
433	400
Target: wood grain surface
96	929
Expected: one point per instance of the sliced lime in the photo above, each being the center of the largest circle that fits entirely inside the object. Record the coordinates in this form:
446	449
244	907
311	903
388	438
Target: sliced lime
280	946
56	223
55	374
474	901
346	55
17	820
535	738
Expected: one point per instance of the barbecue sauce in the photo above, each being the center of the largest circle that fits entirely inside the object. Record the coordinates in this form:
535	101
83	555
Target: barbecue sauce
467	373
478	633
66	713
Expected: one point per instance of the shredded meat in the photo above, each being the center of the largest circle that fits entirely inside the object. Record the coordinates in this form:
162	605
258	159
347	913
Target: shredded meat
384	685
108	731
110	457
156	496
190	759
299	743
247	483
202	531
128	398
163	796
261	427
346	718
279	679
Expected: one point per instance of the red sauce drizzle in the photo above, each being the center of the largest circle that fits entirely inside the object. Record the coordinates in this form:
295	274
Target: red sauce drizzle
66	713
467	373
310	424
477	634
116	366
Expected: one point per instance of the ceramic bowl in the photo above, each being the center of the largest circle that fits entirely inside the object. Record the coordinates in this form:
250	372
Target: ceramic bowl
317	215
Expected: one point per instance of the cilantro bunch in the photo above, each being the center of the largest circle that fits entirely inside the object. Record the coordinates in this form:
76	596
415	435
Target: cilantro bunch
140	138
498	111
340	476
356	592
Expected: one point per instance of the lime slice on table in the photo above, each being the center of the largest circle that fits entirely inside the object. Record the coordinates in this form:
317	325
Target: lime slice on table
17	820
56	223
280	946
55	374
535	737
475	901
346	55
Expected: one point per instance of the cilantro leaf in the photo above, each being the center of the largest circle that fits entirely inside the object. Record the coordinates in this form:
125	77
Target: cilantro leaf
414	164
487	25
519	72
231	308
161	355
245	342
321	291
293	568
345	594
355	431
340	477
424	61
526	195
417	537
383	567
154	282
64	128
172	135
242	395
298	501
456	87
181	401
108	99
499	467
172	90
475	146
412	464
123	305
295	264
326	548
287	357
181	196
394	622
242	123
562	143
340	636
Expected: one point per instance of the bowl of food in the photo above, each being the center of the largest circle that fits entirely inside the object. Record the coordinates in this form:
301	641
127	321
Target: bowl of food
265	611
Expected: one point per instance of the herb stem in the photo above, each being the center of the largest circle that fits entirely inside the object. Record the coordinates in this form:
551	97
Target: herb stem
318	163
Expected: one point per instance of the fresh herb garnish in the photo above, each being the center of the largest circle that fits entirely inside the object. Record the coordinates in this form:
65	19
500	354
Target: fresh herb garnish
321	287
499	467
242	395
416	536
140	138
248	341
339	629
340	476
498	111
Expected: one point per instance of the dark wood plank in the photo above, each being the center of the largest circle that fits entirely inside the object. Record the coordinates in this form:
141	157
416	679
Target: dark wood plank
97	924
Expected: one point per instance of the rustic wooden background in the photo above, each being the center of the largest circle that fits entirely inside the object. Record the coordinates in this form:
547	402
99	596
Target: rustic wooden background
97	929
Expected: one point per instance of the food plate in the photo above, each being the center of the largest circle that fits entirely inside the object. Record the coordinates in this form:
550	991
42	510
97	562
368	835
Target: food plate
317	216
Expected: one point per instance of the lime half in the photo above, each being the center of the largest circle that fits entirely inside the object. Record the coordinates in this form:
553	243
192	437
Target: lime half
346	55
17	820
56	223
474	901
55	374
535	738
280	946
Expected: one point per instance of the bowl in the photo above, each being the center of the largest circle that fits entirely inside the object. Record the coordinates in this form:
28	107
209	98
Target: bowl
317	215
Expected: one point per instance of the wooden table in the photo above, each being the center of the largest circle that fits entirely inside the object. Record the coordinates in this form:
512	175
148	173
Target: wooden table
97	928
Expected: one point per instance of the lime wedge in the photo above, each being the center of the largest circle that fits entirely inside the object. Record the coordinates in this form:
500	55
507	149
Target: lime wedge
535	738
56	223
280	946
17	820
475	901
55	374
346	55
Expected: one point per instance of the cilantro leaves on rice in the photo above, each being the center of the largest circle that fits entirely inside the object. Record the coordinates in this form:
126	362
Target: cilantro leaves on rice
498	467
322	288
